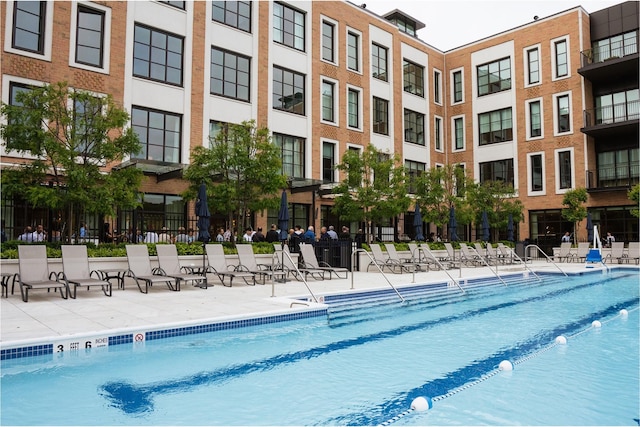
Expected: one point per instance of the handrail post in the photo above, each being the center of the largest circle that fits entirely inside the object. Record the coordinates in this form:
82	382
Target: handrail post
373	261
299	273
546	256
443	269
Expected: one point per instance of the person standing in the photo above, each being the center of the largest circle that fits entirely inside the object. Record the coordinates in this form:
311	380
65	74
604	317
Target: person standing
258	236
248	234
332	233
609	239
272	235
566	237
27	236
151	236
39	235
310	235
164	237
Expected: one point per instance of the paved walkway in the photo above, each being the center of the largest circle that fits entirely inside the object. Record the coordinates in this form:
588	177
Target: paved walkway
48	315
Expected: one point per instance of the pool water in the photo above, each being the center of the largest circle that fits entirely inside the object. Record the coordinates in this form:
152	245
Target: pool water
365	365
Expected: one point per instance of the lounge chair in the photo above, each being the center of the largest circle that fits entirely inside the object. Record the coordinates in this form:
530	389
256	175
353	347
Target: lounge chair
169	265
76	271
582	251
469	256
633	252
426	256
249	264
507	254
413	265
565	253
617	252
285	263
140	270
395	266
485	253
34	272
217	264
495	256
310	261
451	253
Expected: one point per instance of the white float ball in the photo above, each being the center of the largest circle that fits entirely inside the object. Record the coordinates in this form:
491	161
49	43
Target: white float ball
596	324
421	404
561	339
505	365
624	313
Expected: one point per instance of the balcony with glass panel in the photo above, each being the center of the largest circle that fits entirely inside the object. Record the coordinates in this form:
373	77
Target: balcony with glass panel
616	55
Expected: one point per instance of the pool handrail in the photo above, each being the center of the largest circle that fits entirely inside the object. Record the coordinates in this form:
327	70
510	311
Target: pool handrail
524	264
302	277
427	251
373	261
526	251
495	273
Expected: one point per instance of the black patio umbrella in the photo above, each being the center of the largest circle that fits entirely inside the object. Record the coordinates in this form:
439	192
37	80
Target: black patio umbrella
202	211
589	228
510	228
485	227
453	225
417	223
283	217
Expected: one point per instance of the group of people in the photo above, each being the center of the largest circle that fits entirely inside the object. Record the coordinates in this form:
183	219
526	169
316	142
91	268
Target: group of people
29	235
606	241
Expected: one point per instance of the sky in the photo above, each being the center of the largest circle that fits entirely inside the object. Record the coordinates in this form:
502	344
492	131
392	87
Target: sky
453	23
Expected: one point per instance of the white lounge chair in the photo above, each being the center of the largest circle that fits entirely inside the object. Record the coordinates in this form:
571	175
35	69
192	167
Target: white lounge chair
141	271
217	264
76	271
582	251
249	264
310	261
633	252
565	253
469	256
408	263
34	272
285	263
385	261
617	252
169	265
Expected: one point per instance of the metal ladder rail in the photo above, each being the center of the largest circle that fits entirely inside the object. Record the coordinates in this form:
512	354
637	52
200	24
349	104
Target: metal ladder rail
427	251
373	261
495	273
526	251
298	271
513	253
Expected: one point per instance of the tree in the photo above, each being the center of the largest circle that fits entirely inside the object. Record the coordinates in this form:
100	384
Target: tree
498	199
72	136
634	196
242	172
373	189
575	210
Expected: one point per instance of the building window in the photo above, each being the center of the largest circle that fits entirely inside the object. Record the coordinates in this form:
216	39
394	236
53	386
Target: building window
414	170
414	127
236	14
288	26
617	107
619	168
457	86
230	74
159	132
14	90
328	161
533	66
564	170
379	62
561	58
380	116
535	119
354	108
563	114
176	4
616	46
328	37
328	100
437	133
458	133
216	129
90	37
413	78
85	112
29	25
498	170
291	154
495	126
494	77
406	26
437	86
537	177
157	55
288	91
353	51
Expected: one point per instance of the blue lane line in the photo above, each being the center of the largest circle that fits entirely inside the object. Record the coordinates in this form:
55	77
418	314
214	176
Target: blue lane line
137	399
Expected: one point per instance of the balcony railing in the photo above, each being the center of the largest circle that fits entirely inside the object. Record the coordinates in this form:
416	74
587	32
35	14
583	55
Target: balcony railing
606	53
611	114
625	175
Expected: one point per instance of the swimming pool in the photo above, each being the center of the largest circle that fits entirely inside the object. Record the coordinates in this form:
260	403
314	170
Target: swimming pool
365	364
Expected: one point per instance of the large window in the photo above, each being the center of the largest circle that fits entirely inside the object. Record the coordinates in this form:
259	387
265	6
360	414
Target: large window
380	116
157	55
413	127
618	107
437	87
563	114
414	170
494	77
353	108
328	40
533	66
498	170
353	51
90	36
437	133
413	78
458	133
328	101
159	132
616	46
565	173
379	62
230	74
619	168
561	58
457	86
29	25
288	26
14	90
328	161
85	113
495	126
236	14
535	119
292	154
288	91
536	170
216	129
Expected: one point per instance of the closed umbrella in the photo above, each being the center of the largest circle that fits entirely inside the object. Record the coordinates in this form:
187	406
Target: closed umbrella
485	227
589	227
510	228
202	211
283	216
417	223
453	225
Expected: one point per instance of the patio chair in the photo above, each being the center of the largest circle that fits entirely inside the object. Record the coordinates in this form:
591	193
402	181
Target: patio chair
469	256
450	252
76	271
408	263
310	261
384	261
493	255
217	264
33	272
633	252
582	251
285	262
249	264
140	270
485	254
169	265
565	253
617	252
507	254
426	256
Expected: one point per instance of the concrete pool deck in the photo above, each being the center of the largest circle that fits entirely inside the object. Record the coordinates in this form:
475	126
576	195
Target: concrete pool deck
48	316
